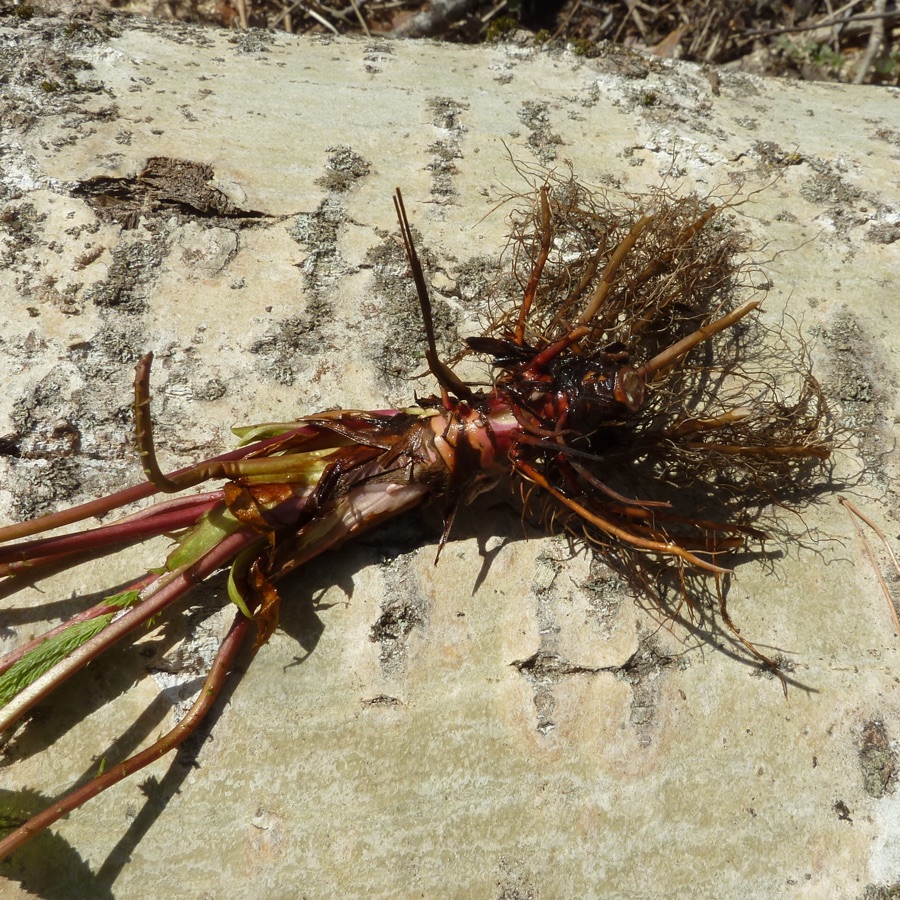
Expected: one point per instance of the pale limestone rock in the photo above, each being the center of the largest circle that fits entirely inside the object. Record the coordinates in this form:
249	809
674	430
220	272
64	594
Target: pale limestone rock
518	732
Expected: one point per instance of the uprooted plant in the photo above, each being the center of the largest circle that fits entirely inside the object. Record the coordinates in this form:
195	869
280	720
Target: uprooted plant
624	406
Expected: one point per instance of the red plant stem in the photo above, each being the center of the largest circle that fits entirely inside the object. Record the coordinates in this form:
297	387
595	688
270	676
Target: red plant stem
103	505
220	555
162	507
359	511
210	691
362	509
29	555
534	280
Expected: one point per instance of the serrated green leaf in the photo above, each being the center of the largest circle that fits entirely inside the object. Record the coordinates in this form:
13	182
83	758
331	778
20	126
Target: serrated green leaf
55	649
123	600
47	654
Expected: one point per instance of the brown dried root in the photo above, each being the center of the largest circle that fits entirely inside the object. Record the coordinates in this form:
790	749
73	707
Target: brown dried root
665	265
730	425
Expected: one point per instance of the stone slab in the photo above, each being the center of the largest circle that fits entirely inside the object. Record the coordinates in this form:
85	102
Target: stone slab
424	762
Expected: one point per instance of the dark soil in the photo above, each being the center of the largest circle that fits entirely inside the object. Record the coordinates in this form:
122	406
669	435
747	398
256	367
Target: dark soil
812	40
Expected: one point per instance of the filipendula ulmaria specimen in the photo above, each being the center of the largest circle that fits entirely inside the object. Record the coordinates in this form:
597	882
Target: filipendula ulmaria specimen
624	407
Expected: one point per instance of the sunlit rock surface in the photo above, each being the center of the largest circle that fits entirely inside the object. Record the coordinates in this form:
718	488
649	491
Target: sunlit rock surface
512	723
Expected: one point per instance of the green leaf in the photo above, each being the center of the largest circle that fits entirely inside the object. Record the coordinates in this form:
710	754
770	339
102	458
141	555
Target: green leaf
214	527
123	600
238	570
250	433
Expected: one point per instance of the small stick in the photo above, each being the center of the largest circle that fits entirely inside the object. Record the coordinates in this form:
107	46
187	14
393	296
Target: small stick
362	21
876	40
242	15
854	511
